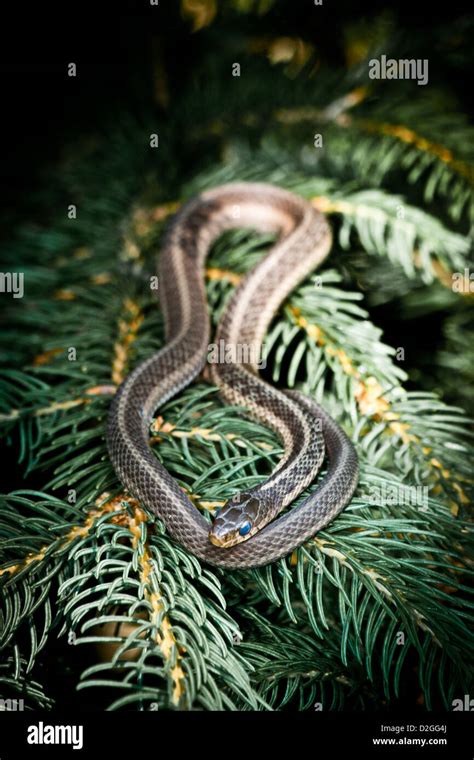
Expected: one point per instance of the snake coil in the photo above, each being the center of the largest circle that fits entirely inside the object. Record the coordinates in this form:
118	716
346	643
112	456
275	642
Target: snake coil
304	428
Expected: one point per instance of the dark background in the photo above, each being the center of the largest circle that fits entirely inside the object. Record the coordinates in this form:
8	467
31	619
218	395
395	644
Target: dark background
112	44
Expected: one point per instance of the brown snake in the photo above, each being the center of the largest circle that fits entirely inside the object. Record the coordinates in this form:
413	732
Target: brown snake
238	538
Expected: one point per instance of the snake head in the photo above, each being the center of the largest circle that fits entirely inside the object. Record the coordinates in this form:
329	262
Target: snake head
237	521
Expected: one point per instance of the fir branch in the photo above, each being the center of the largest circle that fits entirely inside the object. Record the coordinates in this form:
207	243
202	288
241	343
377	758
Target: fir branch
388	585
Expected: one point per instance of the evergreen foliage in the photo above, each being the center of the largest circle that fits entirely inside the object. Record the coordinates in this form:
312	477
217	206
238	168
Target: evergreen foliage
378	606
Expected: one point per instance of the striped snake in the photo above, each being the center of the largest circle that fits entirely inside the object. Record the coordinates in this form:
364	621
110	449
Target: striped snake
244	533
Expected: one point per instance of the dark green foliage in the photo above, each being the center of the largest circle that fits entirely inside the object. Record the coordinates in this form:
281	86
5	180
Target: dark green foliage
379	605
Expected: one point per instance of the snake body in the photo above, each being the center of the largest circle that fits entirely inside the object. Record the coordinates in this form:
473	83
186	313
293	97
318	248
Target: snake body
238	538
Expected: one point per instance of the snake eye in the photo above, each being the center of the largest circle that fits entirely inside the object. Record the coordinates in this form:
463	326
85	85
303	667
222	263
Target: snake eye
245	528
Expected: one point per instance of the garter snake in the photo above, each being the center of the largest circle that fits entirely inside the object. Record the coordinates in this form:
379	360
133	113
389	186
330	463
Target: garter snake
244	533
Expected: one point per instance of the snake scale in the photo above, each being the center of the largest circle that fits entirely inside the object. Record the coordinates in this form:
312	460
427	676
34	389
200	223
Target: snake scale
245	533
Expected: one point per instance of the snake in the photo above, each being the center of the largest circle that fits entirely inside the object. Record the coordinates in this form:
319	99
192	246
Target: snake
259	525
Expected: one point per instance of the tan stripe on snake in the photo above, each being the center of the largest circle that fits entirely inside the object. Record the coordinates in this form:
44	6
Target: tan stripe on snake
245	533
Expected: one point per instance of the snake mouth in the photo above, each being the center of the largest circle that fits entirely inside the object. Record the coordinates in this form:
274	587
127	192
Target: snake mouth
221	536
217	540
226	542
